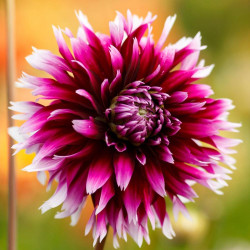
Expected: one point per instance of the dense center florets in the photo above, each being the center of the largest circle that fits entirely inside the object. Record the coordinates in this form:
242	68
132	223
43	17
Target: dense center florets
138	112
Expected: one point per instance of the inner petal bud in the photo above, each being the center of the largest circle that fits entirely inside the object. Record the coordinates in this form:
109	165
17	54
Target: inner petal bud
137	113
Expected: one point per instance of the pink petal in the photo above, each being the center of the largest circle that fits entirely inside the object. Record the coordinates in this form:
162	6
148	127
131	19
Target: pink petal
88	128
58	197
186	108
116	32
155	178
88	96
100	171
198	91
105	94
167	27
90	223
141	157
147	204
101	228
177	97
106	194
124	167
132	200
178	206
190	61
164	153
116	85
63	48
116	59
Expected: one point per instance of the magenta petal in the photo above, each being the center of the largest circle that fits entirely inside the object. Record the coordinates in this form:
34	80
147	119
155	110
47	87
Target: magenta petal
148	208
198	91
25	107
116	32
132	201
88	96
120	147
141	157
155	178
167	227
83	20
115	85
50	63
31	82
63	48
154	74
116	59
165	154
119	223
160	209
177	97
167	27
192	172
101	227
100	171
105	94
88	128
124	167
75	197
58	92
106	194
84	54
55	143
65	114
176	79
167	59
90	223
199	129
36	121
88	149
43	165
178	206
190	61
187	108
58	197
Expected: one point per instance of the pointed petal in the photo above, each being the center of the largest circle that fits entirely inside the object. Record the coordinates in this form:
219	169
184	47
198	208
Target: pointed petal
106	194
164	153
63	48
99	172
132	200
124	166
167	27
155	178
58	198
88	128
178	206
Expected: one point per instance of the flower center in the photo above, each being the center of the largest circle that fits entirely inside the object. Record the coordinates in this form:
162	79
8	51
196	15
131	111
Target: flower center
138	112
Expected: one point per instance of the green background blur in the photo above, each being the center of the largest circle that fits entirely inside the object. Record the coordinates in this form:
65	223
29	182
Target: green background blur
219	222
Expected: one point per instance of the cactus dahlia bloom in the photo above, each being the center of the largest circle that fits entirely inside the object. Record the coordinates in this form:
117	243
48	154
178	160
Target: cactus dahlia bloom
125	126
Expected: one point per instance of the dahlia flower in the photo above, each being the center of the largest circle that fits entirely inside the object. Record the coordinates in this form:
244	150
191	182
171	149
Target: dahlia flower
125	124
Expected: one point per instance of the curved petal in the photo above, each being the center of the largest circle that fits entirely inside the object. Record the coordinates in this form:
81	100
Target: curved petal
155	178
100	171
106	194
88	128
124	167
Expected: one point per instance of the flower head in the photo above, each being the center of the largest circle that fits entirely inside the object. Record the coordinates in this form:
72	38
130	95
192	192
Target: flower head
126	124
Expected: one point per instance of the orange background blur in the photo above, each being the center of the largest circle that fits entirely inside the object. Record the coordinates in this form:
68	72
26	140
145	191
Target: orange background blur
219	222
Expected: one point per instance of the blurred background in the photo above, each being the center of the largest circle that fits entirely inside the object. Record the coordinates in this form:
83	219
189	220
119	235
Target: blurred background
219	222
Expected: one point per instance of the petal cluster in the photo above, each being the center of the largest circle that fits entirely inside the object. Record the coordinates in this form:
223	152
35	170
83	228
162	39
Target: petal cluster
125	124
